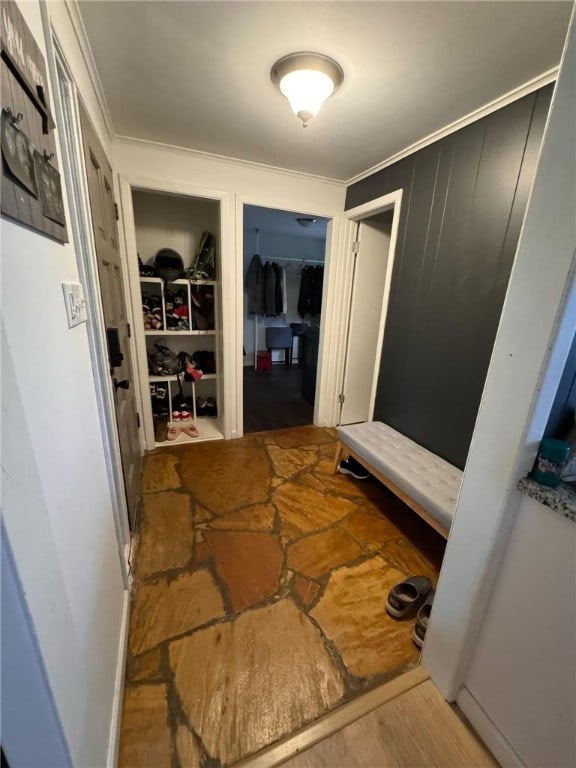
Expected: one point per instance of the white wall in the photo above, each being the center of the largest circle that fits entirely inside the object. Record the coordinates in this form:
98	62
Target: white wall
523	674
57	506
254	184
156	166
169	221
505	441
275	246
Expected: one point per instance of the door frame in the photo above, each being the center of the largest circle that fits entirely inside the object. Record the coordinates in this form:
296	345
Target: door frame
332	236
340	294
128	247
76	190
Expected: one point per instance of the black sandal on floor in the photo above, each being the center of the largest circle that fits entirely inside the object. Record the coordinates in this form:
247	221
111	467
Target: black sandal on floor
422	619
405	598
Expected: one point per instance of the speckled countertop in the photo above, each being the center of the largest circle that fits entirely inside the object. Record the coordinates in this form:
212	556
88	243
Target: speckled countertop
561	499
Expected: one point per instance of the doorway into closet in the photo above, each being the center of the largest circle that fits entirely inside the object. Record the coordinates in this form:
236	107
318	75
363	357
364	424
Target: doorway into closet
283	272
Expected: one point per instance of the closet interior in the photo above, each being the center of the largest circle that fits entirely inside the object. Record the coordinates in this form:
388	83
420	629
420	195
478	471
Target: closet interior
283	286
179	349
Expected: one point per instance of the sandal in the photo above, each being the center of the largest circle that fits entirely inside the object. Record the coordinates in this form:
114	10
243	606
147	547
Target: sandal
191	431
173	433
405	598
422	619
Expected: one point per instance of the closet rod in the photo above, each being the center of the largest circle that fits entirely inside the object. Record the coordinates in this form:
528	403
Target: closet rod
302	261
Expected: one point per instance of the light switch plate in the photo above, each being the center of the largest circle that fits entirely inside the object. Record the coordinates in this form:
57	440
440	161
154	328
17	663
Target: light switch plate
75	303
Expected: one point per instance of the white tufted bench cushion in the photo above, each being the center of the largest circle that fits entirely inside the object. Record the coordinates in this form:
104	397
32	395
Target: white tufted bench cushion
426	479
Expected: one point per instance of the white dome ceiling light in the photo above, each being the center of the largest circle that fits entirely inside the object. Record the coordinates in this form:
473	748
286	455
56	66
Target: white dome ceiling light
307	80
306	221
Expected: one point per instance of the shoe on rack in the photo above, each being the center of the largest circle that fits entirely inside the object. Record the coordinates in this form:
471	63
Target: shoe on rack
354	468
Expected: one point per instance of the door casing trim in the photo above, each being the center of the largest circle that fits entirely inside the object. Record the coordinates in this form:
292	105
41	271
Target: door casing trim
339	285
82	237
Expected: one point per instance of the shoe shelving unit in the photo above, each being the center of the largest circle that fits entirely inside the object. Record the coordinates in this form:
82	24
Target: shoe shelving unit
171	221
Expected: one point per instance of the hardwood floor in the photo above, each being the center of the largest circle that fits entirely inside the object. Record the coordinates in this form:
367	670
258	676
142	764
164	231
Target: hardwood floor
418	728
274	400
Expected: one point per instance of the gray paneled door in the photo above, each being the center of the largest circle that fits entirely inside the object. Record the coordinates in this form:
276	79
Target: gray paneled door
103	209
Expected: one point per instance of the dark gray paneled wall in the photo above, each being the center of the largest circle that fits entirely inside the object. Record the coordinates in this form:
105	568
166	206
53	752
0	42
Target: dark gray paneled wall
462	209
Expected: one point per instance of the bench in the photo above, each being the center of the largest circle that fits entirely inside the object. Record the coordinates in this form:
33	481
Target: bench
425	482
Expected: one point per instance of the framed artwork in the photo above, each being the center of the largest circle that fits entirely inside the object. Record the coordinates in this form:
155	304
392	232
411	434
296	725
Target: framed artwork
18	153
50	189
31	185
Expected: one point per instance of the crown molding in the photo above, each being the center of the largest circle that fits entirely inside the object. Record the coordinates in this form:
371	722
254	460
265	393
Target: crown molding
493	106
210	156
86	50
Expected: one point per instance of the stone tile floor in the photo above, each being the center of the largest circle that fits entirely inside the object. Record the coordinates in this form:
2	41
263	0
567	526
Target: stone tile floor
259	587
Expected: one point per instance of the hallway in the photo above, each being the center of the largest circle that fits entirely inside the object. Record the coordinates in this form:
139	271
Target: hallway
260	581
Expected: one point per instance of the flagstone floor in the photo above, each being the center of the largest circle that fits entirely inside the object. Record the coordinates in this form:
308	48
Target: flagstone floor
259	587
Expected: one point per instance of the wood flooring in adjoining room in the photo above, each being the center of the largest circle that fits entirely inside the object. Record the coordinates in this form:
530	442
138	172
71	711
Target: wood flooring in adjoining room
273	400
417	728
259	587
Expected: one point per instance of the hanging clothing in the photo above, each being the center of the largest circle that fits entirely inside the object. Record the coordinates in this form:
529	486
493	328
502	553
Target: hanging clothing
310	296
254	286
284	292
278	298
306	291
270	289
317	291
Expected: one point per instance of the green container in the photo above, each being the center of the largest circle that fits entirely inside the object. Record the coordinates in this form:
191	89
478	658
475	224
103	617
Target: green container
551	460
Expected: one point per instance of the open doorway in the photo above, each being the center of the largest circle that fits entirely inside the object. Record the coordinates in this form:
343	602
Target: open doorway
283	273
376	228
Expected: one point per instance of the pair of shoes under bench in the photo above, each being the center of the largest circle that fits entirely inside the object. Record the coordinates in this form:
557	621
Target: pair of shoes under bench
352	467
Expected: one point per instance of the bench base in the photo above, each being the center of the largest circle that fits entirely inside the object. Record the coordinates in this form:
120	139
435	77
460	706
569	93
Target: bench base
344	452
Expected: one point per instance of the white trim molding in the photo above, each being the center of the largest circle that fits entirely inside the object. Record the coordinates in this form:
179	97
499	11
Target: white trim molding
116	716
210	156
338	287
493	106
84	45
487	731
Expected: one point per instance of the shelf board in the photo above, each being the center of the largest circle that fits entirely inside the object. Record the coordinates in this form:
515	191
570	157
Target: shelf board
181	281
208	428
180	333
154	379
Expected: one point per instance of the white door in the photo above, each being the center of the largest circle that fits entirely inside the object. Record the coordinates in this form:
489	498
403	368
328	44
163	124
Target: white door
366	312
103	210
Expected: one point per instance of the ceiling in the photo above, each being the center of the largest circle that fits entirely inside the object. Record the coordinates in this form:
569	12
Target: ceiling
277	222
197	74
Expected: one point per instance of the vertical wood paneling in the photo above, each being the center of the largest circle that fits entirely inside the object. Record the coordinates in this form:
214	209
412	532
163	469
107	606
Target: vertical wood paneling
464	200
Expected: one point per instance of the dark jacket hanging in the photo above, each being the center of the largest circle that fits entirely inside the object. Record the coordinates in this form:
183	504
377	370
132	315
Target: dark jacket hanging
306	293
278	296
317	291
270	289
254	286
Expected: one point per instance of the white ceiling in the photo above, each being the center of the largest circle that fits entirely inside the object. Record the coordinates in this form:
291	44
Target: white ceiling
197	74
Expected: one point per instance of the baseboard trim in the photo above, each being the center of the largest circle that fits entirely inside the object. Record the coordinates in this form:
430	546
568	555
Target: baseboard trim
487	731
334	721
116	719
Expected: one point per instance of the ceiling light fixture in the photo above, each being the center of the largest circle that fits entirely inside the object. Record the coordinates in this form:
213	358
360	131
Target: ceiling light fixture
307	80
306	221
